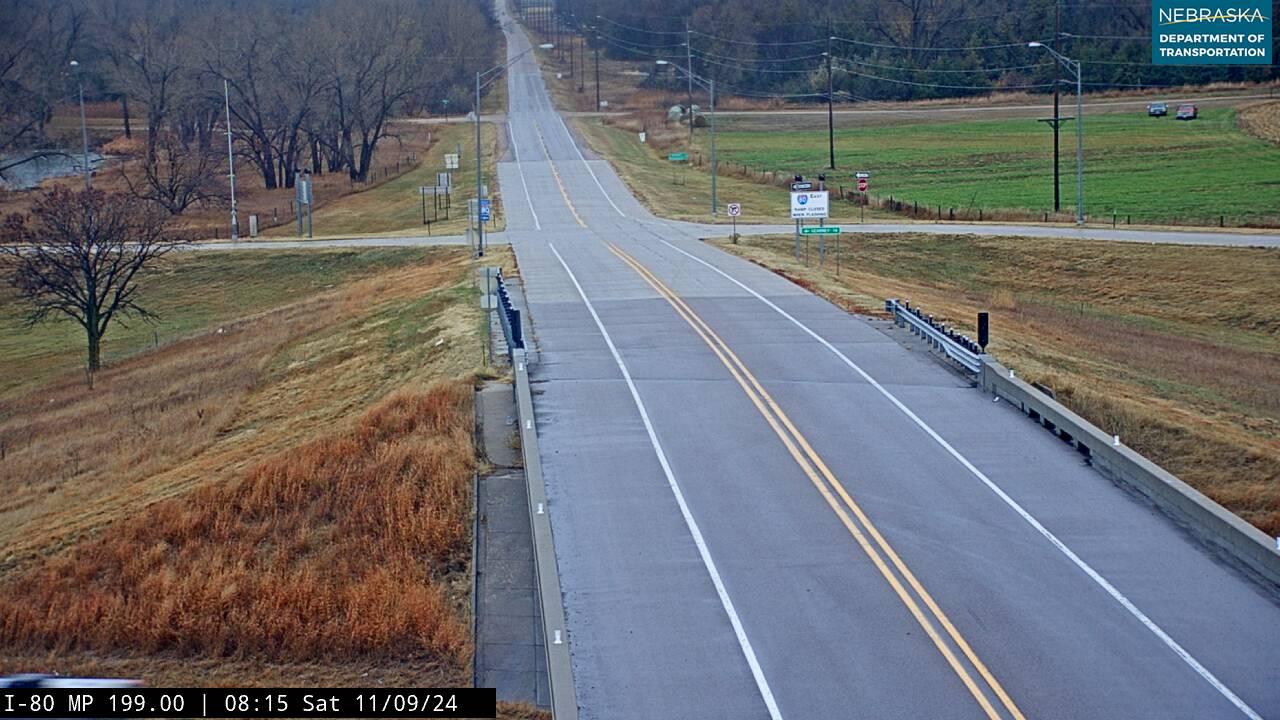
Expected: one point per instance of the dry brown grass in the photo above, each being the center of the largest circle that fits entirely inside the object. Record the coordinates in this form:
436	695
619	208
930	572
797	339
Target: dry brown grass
1261	120
1176	349
345	548
200	410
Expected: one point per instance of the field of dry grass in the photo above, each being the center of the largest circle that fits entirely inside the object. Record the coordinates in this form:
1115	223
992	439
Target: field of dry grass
1176	349
1261	120
290	494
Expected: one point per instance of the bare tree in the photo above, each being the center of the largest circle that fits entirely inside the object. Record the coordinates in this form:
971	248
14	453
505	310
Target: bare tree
79	255
177	176
33	66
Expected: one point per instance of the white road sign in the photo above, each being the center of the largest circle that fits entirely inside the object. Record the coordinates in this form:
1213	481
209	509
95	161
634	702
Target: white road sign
735	209
451	161
862	175
811	204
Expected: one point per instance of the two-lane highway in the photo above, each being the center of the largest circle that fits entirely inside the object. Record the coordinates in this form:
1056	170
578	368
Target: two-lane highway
766	508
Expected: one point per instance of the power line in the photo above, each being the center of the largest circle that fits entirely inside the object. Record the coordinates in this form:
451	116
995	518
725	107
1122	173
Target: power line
969	48
943	86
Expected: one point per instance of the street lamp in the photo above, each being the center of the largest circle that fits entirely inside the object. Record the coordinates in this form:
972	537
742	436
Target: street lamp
494	72
710	85
1074	66
84	130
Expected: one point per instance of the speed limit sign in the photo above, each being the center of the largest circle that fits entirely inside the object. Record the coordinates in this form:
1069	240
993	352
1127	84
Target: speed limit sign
735	209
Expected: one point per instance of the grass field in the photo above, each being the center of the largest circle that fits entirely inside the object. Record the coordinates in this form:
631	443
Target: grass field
1155	170
286	501
1176	349
396	205
190	293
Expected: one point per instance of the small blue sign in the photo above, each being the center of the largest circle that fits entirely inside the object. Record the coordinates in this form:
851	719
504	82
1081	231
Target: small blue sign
484	211
1211	32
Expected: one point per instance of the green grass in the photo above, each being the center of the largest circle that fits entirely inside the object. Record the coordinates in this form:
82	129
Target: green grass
192	292
396	205
1157	170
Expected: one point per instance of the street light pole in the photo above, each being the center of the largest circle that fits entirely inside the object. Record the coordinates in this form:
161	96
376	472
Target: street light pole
1074	65
84	128
711	93
231	164
479	185
710	85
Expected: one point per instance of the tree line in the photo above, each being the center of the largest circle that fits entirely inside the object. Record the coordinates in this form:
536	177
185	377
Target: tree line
311	83
889	49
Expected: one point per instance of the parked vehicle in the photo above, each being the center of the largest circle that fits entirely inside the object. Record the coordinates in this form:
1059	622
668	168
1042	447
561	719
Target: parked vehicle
1158	109
1187	112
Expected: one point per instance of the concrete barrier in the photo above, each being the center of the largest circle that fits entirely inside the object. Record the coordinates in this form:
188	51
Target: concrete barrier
1209	521
564	700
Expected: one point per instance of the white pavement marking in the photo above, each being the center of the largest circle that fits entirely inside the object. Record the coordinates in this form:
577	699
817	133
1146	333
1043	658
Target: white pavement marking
515	150
587	165
1031	520
698	540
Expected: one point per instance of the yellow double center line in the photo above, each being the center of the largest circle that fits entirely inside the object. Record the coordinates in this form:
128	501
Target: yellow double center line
862	530
556	174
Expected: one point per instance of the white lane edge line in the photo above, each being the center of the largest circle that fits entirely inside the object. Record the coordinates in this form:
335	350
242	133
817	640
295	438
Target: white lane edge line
515	150
1028	517
587	165
763	684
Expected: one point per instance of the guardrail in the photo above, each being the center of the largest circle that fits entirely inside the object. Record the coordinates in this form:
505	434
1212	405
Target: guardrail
1210	522
509	317
564	699
960	348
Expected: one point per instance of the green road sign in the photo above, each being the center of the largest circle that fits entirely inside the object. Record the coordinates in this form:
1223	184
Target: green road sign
678	157
829	230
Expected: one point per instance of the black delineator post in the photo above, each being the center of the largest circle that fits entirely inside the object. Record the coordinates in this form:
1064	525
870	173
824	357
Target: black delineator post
984	330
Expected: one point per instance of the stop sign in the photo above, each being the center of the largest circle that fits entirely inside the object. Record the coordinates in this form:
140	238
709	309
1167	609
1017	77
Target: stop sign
862	184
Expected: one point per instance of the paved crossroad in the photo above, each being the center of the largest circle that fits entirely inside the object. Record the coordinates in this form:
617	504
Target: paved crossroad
764	507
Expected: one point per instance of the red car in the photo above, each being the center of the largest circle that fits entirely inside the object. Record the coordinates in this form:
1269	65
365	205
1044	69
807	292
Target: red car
1187	112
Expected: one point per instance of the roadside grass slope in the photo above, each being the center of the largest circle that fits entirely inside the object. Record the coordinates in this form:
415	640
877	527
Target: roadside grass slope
286	501
1176	349
395	206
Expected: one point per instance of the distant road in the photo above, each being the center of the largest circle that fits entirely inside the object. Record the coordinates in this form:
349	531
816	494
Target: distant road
1067	104
1157	237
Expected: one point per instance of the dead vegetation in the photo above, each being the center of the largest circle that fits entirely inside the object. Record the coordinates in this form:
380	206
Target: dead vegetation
200	410
1176	349
283	500
1261	120
350	546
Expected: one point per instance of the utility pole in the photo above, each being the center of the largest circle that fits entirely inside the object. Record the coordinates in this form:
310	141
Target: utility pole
596	49
688	54
1057	121
831	115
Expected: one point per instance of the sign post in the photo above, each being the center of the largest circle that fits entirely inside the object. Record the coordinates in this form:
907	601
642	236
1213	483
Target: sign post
734	210
864	179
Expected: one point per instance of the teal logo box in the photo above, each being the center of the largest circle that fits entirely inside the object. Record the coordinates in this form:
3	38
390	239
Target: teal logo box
1211	32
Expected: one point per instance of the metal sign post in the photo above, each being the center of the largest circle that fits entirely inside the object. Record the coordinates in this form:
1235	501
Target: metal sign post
733	211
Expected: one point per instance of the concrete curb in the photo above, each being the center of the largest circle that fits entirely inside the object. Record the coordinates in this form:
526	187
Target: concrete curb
564	701
1210	522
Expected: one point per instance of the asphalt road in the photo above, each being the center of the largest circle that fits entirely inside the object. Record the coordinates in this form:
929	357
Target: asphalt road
765	507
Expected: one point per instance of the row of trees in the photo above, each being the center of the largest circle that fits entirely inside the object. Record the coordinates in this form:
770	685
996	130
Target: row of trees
889	49
311	84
